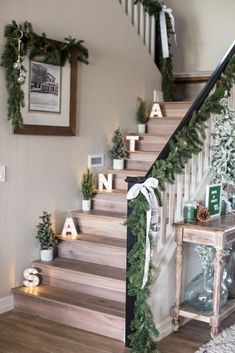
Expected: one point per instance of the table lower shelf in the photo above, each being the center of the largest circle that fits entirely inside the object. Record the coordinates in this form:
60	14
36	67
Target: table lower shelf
206	316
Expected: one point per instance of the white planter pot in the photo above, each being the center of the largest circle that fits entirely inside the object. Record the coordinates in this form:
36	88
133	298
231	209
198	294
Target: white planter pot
118	164
86	205
141	128
47	255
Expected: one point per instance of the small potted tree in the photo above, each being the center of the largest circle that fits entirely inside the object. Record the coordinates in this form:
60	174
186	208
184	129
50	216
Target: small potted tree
141	115
88	189
45	236
119	150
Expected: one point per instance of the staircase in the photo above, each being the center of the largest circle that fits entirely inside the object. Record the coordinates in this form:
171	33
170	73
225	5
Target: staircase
85	286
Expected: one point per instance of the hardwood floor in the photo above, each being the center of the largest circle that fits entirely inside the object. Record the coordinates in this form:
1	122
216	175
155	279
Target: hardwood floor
23	333
190	337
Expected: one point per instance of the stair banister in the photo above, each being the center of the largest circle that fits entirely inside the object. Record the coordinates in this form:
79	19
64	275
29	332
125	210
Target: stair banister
201	165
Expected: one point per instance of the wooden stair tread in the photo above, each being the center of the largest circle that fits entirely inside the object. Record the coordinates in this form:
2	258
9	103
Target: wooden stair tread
128	172
82	266
114	191
74	299
104	214
98	239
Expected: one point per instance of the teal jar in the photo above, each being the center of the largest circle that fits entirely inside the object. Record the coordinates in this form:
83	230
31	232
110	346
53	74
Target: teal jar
190	210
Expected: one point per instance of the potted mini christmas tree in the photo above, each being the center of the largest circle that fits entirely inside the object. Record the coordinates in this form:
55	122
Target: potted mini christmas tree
45	236
119	150
141	115
88	189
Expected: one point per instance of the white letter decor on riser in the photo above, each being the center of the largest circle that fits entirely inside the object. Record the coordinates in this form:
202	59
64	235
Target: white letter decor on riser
107	183
69	228
31	277
132	140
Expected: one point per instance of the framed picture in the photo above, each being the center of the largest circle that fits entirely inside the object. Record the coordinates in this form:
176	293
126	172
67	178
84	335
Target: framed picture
50	94
213	199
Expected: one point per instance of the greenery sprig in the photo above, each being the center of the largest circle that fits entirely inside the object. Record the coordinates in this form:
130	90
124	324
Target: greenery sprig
187	142
154	7
53	52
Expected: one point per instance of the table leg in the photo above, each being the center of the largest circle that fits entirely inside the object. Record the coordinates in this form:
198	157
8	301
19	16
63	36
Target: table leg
178	280
218	274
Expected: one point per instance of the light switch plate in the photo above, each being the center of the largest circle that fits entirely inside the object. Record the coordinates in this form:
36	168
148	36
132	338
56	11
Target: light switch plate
2	173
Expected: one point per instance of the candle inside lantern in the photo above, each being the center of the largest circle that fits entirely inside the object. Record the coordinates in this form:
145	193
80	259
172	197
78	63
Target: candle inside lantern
190	208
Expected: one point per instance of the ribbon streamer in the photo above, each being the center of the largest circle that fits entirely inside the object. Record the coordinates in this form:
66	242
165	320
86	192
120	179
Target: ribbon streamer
147	189
163	29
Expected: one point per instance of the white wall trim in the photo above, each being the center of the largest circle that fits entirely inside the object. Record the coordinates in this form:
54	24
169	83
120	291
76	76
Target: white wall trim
6	304
165	328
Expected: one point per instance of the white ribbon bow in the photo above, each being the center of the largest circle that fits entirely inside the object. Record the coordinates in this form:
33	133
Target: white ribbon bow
147	189
163	28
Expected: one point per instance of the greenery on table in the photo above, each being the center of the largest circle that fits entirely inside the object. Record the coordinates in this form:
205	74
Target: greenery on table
35	45
187	142
154	7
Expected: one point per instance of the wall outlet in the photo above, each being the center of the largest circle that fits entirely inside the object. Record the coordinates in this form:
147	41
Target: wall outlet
2	173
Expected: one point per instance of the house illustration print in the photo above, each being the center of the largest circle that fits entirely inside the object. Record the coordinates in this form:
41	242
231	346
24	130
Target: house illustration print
44	87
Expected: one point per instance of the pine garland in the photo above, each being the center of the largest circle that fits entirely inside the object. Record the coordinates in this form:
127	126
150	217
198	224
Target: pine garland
37	46
187	142
154	7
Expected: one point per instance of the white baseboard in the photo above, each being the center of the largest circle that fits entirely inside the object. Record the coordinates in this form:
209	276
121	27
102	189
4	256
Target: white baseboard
165	328
6	304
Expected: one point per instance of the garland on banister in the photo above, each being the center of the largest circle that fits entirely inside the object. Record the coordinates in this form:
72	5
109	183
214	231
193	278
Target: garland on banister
37	45
154	8
187	142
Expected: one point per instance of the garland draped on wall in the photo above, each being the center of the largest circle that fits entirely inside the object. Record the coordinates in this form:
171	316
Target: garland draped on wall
53	52
188	141
154	7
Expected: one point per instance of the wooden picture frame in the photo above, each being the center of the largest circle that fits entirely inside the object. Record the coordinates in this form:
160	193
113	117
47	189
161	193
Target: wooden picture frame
43	125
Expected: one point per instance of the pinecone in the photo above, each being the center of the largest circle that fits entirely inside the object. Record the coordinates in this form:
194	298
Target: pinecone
203	214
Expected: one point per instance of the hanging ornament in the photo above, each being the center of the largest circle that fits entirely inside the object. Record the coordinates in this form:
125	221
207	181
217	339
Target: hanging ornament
21	78
17	65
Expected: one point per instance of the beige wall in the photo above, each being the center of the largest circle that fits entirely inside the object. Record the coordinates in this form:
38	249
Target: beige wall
205	30
43	173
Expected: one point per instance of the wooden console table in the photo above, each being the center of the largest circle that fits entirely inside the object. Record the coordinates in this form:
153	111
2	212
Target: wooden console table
217	232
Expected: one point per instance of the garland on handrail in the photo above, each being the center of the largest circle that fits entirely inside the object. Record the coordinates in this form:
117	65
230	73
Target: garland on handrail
187	142
53	52
154	7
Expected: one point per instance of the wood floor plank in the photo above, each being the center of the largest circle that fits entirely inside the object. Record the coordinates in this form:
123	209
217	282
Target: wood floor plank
190	337
23	333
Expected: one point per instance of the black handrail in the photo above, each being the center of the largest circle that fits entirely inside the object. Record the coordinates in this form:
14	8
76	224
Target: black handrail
194	108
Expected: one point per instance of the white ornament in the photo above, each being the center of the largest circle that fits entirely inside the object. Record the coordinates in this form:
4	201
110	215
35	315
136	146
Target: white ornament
156	111
107	183
17	65
31	277
69	227
21	79
132	140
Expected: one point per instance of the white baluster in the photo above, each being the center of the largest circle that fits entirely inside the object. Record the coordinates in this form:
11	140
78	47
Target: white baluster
130	10
152	37
147	31
142	23
187	181
136	18
179	193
